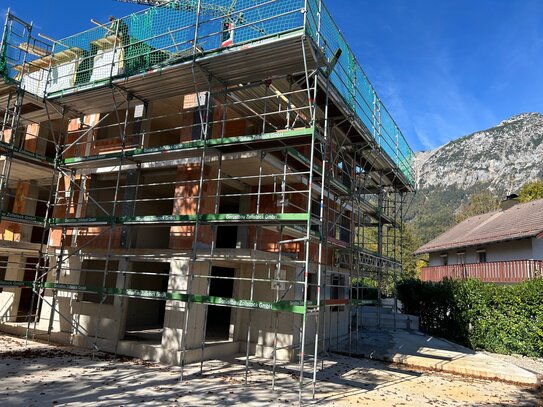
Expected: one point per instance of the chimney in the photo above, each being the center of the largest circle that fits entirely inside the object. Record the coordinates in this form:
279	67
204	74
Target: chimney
509	202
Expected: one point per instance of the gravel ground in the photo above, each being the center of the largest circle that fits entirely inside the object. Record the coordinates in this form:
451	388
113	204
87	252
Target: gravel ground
44	375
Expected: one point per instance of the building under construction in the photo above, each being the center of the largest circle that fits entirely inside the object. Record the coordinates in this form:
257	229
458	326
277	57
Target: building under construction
196	180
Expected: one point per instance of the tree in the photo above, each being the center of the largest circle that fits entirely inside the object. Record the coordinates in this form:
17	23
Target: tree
530	191
411	241
479	203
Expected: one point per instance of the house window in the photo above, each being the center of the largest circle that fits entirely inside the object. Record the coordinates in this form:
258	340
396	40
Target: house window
461	257
444	259
482	256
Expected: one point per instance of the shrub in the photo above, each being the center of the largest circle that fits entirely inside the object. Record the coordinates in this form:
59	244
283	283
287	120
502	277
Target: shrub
493	317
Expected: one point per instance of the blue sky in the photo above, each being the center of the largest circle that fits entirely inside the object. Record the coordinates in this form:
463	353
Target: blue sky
443	68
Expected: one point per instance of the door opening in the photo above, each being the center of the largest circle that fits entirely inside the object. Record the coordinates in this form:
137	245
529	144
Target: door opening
28	308
218	317
145	317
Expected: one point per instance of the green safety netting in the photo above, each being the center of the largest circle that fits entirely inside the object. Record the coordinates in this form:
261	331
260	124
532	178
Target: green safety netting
359	95
160	36
11	55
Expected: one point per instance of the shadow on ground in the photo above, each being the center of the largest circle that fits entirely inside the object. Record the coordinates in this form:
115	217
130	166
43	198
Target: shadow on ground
47	375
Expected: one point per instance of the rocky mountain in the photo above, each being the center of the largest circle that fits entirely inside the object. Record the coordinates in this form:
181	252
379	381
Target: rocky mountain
500	159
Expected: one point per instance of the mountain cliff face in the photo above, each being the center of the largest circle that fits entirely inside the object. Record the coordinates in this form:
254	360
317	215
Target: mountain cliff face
500	159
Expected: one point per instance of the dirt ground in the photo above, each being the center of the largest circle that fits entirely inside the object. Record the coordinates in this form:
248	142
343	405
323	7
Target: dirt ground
43	375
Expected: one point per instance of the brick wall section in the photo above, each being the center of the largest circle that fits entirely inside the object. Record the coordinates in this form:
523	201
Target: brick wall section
80	148
31	137
101	237
59	211
9	230
186	201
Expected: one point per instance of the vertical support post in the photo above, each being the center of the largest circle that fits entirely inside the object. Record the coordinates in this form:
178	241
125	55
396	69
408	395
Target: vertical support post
210	263
122	129
278	267
312	100
323	238
60	260
253	268
196	231
380	199
42	267
14	127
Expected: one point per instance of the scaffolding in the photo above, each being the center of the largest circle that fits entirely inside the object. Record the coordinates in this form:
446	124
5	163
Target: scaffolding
178	168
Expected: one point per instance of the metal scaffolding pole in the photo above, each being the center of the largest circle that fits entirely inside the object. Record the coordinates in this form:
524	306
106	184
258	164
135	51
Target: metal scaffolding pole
312	97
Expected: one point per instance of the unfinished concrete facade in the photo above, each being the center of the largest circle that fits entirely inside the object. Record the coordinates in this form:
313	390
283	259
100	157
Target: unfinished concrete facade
182	184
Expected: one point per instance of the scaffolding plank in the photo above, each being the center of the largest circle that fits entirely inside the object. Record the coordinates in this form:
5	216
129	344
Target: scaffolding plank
215	218
238	143
257	217
296	231
26	154
166	220
292	306
94	221
19	218
287	137
85	162
296	307
16	284
365	257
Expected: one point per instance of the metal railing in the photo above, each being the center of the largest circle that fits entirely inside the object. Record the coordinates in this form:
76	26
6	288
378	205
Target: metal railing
513	271
20	50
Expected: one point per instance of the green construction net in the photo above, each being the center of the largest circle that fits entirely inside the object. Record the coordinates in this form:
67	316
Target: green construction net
16	38
161	36
359	95
20	54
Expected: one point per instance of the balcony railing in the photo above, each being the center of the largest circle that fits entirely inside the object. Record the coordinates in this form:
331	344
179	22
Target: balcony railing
513	271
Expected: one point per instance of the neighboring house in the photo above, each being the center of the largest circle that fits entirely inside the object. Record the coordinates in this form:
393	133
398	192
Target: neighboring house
502	246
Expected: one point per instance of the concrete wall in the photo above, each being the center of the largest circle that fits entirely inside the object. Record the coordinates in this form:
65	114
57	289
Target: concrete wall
83	320
9	297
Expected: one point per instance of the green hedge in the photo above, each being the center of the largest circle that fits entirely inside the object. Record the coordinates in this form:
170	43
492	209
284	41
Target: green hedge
494	317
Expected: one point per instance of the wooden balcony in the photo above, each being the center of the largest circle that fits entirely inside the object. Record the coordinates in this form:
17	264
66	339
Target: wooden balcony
513	271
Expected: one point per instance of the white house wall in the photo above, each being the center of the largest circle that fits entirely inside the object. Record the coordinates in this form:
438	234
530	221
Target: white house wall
505	251
512	250
537	248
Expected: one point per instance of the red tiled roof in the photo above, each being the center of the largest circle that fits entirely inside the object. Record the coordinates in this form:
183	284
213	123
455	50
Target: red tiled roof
521	221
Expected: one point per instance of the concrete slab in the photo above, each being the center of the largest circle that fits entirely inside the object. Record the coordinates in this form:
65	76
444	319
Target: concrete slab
418	350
